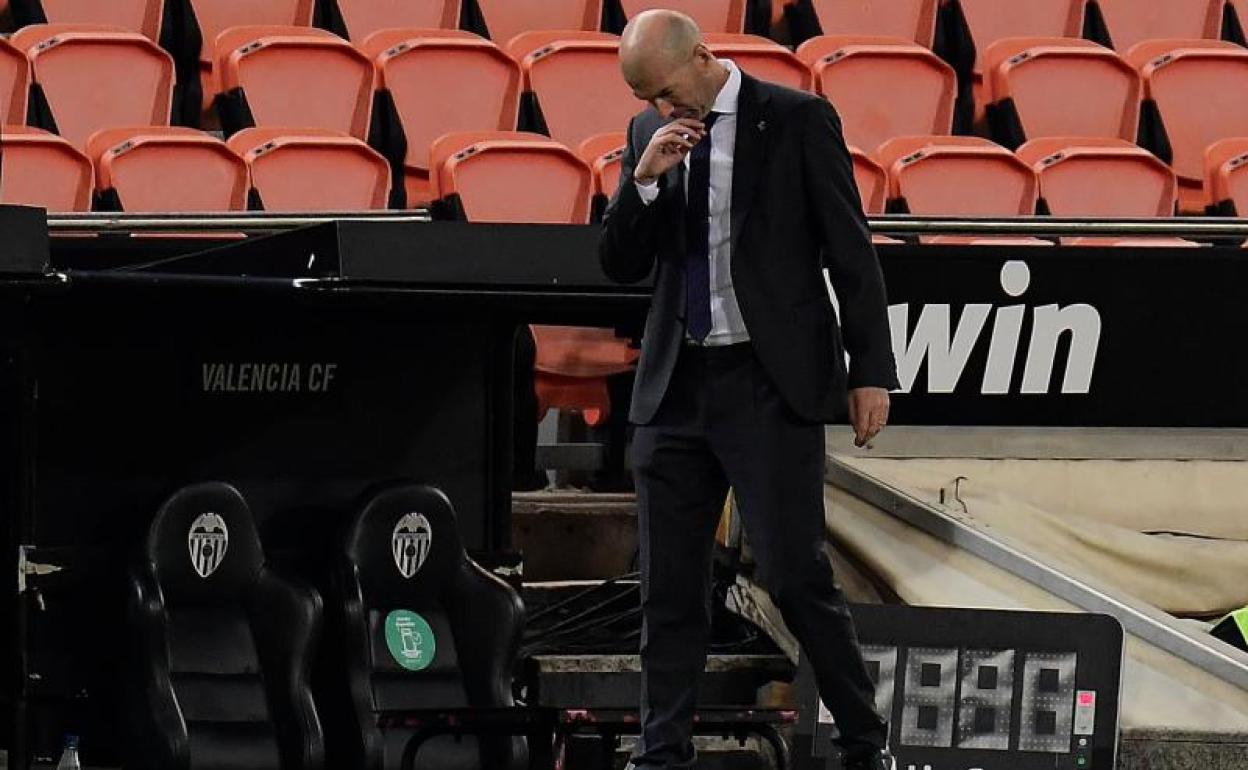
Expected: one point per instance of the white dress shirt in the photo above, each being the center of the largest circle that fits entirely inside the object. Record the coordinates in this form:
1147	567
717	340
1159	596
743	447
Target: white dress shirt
727	326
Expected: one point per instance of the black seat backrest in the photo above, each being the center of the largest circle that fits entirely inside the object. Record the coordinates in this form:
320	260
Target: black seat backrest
424	628
222	644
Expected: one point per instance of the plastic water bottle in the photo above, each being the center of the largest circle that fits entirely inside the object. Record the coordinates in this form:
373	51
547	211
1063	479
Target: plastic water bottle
69	756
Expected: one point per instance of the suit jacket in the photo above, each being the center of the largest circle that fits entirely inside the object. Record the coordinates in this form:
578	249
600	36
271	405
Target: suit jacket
795	209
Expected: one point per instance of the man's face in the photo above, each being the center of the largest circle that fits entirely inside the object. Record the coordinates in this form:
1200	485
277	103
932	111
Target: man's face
679	89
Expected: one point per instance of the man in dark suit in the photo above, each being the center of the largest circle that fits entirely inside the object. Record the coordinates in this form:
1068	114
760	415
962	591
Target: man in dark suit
740	192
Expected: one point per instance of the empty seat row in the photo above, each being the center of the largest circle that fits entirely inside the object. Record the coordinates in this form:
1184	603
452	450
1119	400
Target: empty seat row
191	30
478	173
183	169
567	85
437	82
928	175
1176	97
501	19
883	88
971	176
1061	176
1118	23
503	176
1123	22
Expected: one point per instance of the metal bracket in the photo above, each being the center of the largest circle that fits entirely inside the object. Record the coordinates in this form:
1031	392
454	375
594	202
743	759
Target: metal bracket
27	568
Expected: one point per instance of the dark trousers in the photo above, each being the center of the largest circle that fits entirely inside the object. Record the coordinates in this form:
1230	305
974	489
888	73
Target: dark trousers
722	423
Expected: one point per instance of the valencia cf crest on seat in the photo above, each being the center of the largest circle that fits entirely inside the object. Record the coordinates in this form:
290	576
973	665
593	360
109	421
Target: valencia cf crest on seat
411	542
208	540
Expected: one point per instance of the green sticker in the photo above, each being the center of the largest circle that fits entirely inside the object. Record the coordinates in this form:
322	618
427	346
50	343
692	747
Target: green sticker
410	640
1241	620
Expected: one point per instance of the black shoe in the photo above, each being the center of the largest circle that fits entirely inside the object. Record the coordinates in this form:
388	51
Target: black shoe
876	760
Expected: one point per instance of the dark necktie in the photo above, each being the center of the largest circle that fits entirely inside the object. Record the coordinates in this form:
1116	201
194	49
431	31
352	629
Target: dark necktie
697	237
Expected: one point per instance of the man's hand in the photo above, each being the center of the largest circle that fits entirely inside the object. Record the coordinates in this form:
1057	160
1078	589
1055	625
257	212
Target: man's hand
667	147
868	413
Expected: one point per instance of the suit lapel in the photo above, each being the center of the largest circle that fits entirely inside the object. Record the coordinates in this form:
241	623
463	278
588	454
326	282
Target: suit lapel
749	154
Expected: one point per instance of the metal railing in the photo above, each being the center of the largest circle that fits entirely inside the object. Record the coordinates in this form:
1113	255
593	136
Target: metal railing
1051	227
892	224
1138	618
251	222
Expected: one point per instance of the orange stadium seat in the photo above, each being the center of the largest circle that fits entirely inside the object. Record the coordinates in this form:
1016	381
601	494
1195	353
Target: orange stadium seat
95	77
872	184
504	19
572	367
1046	86
871	180
362	18
760	57
296	169
1103	177
42	169
1100	177
603	154
576	81
511	176
988	21
956	176
1198	87
1131	21
441	81
212	17
522	177
167	169
534	40
14	84
711	15
293	76
909	19
142	16
882	87
1226	174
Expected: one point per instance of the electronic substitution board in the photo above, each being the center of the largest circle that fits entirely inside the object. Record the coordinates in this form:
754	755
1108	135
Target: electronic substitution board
981	690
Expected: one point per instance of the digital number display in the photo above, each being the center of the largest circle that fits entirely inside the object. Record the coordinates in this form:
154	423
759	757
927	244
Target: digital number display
980	689
972	698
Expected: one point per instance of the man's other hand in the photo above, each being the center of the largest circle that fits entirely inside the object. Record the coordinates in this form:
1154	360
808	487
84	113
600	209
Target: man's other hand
868	413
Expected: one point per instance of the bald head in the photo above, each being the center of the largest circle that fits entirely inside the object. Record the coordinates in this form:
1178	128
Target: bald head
657	39
665	62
